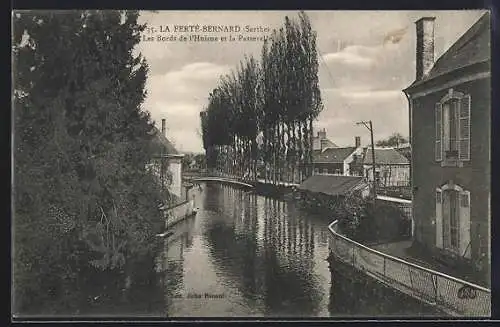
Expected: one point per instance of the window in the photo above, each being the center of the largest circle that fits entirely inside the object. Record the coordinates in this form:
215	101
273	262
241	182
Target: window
316	170
325	171
337	172
452	128
453	219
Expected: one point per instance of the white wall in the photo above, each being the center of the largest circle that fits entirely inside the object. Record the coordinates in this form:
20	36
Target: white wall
349	160
399	174
175	169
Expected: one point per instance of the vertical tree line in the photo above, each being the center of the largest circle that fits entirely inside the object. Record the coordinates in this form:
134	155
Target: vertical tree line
84	201
274	101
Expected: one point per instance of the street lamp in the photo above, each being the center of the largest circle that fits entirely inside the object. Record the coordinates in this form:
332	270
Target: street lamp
369	126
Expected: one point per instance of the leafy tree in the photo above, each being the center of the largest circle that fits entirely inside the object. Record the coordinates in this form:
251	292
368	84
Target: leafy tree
394	140
276	100
83	199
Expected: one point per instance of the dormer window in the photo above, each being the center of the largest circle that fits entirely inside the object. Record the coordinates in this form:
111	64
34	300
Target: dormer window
453	128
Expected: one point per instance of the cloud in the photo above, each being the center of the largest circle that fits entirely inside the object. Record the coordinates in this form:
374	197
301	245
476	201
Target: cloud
179	96
395	36
364	93
366	61
348	58
354	55
362	56
373	95
200	71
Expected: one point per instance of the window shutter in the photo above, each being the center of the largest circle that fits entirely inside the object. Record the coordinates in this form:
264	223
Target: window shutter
464	129
439	133
465	246
439	218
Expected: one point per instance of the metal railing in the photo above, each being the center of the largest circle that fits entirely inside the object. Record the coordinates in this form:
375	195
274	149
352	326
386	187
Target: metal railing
449	294
225	178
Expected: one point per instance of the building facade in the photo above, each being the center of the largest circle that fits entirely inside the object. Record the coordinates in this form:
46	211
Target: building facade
167	163
391	167
321	141
450	137
336	161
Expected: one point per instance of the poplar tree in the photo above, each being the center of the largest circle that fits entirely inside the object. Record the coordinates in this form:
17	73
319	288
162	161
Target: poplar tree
280	99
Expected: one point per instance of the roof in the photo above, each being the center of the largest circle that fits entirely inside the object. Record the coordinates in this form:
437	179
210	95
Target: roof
331	184
471	48
321	143
160	140
388	156
334	155
403	146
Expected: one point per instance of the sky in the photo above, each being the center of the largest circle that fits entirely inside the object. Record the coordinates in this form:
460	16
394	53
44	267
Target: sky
366	59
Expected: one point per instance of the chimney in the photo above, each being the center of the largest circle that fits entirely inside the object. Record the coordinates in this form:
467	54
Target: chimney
425	46
322	134
163	128
357	141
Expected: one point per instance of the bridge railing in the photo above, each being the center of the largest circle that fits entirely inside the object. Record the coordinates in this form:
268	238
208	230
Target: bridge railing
215	174
452	295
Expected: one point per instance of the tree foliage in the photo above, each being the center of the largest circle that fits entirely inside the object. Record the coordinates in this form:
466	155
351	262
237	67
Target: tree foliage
82	195
394	140
274	101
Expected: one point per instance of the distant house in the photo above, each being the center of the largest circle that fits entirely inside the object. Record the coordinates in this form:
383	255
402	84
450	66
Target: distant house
405	150
167	162
450	136
336	161
331	186
391	167
321	142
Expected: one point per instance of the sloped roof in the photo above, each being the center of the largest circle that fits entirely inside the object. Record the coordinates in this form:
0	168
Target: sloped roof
161	141
334	155
385	156
319	143
331	184
471	48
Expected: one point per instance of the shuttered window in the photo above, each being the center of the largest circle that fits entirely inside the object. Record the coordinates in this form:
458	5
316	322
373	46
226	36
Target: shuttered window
452	127
453	220
439	136
464	128
465	239
439	218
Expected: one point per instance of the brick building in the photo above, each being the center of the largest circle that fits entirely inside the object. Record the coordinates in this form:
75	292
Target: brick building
450	137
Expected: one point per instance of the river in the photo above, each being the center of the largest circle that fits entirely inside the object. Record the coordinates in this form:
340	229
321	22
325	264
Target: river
245	255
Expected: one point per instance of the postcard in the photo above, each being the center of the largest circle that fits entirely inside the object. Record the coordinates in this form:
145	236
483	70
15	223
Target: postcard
265	164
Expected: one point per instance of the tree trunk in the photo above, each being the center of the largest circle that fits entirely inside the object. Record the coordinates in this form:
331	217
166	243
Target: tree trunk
310	144
283	144
288	151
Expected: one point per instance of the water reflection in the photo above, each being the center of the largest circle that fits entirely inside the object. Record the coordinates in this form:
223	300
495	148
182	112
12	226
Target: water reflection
261	254
247	255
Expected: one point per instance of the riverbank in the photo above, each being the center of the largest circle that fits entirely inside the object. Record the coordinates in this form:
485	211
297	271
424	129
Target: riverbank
277	190
178	213
274	190
354	289
455	296
415	253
